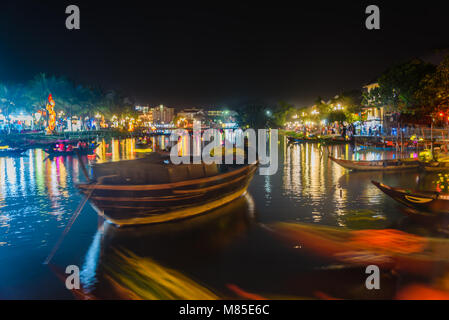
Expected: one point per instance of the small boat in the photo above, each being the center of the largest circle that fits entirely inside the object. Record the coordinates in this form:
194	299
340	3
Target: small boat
55	151
424	201
334	140
6	151
365	147
435	166
142	143
152	190
386	248
318	139
376	165
297	140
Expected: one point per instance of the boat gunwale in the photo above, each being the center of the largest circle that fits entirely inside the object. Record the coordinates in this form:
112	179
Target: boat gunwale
363	162
140	187
435	195
367	165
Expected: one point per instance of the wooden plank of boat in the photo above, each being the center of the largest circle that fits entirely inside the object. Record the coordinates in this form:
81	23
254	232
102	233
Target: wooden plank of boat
177	214
426	201
387	248
172	185
384	165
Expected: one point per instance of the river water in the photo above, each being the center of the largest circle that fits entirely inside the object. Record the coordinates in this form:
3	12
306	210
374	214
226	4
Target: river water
224	253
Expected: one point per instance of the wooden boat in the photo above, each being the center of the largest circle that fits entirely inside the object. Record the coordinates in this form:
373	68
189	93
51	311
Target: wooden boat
55	152
387	248
324	140
425	201
334	140
369	147
148	190
297	140
142	143
383	165
435	166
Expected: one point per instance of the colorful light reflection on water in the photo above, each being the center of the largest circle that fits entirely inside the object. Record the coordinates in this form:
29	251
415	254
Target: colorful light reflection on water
37	198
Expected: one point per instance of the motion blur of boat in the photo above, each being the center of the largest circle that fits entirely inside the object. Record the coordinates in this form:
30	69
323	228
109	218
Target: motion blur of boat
6	151
152	190
386	248
130	263
383	165
424	201
69	148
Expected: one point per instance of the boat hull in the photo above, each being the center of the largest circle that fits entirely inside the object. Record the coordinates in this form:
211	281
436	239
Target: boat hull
430	202
74	152
440	167
147	204
381	165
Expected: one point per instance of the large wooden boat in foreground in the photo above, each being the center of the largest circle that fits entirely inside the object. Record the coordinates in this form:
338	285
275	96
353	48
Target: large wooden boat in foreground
149	190
378	165
425	201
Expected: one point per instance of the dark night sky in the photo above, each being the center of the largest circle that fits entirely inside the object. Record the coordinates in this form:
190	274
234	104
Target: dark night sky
199	54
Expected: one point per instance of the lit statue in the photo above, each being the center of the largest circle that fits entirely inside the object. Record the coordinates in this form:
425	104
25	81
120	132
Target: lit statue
51	114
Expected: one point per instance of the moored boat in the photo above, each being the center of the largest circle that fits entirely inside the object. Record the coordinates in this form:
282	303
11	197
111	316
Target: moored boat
70	149
327	140
425	201
376	165
297	140
435	166
150	190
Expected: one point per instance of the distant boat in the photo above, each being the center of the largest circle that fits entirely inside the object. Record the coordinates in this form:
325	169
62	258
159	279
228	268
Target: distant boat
6	151
54	151
148	190
435	166
424	201
328	140
378	165
297	140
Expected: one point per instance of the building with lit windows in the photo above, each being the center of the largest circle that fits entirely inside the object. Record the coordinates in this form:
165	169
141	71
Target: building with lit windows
162	114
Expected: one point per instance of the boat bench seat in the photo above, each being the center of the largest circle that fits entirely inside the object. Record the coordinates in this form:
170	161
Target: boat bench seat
151	173
183	172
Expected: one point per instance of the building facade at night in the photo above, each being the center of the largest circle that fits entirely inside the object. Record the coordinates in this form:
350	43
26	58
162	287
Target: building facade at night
372	117
162	114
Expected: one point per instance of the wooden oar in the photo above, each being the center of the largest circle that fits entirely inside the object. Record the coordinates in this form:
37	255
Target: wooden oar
75	214
69	225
